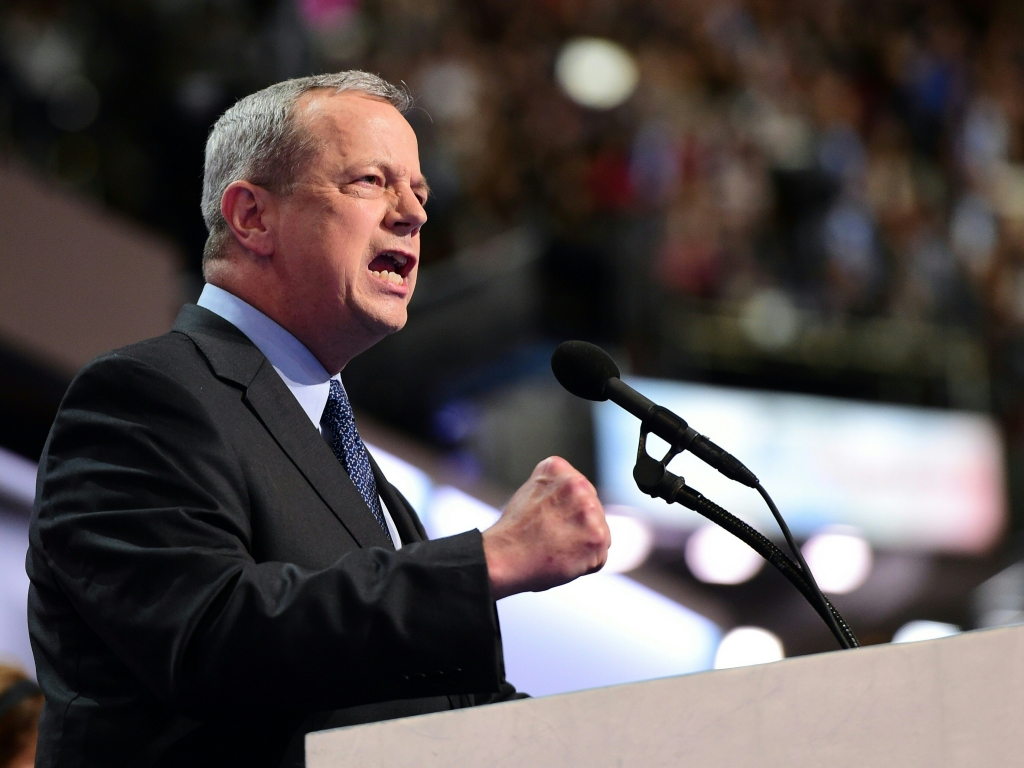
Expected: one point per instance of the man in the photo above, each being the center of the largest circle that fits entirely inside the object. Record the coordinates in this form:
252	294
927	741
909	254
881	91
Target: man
213	572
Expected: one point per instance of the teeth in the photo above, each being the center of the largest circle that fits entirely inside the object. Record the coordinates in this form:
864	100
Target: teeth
399	259
391	277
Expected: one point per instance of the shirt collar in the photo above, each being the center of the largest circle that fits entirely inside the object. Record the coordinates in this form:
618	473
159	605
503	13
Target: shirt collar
307	379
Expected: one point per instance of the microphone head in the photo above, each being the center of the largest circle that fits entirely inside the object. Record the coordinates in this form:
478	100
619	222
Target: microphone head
583	369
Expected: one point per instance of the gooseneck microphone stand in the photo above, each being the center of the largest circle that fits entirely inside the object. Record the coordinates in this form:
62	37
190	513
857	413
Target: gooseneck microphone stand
588	371
653	478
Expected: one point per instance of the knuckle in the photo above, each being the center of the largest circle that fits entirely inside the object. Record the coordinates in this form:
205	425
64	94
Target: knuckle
579	485
602	537
558	464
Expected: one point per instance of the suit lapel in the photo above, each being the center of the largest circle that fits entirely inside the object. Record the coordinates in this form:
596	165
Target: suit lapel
234	357
281	414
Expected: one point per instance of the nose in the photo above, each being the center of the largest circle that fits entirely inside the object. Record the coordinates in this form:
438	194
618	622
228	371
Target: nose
407	214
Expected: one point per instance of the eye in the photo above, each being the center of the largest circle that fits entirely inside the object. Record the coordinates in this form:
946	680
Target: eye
372	178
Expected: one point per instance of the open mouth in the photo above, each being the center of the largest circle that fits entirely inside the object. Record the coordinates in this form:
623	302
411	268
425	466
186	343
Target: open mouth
392	266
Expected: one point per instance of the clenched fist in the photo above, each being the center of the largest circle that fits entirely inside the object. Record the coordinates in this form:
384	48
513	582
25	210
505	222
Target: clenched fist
551	531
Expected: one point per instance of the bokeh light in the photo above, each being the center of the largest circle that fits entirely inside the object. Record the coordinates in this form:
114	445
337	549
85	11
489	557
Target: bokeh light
596	73
632	540
913	631
715	556
744	646
840	559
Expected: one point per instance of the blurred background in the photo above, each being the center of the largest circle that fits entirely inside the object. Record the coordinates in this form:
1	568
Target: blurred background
800	224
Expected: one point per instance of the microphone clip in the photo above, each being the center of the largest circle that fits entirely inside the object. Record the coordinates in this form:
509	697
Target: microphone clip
672	429
653	478
651	475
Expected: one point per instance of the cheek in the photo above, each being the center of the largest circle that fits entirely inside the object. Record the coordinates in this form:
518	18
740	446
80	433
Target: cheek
342	259
351	239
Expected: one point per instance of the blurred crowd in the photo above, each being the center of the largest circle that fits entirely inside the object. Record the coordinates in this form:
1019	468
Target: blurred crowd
852	158
858	158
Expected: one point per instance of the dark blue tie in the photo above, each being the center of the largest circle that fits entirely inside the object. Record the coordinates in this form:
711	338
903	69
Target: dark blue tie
351	452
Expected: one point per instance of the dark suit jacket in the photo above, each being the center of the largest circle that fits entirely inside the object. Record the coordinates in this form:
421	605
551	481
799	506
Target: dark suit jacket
207	584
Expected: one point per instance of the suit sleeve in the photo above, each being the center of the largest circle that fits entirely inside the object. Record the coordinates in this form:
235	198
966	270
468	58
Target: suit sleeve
507	691
143	524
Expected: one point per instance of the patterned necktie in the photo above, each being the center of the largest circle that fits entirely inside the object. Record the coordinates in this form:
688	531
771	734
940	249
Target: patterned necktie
349	448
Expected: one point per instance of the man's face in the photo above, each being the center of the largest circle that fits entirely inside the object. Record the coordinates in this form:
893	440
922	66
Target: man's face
348	234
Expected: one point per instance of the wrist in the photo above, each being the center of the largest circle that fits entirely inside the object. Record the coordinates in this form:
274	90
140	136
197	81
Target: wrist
499	571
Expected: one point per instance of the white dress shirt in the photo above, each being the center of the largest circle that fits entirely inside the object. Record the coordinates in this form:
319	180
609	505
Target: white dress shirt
302	373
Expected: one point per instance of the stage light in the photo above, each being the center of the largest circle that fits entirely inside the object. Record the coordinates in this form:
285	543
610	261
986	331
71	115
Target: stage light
412	481
770	319
839	558
17	478
450	512
632	540
596	73
913	631
744	646
715	556
603	629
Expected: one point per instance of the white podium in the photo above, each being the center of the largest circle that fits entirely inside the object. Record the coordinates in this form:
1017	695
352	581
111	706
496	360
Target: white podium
958	701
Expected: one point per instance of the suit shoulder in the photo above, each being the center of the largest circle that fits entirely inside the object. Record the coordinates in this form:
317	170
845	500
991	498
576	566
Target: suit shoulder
157	351
172	353
157	369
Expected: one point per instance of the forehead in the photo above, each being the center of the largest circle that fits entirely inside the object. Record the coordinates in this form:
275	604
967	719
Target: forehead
358	127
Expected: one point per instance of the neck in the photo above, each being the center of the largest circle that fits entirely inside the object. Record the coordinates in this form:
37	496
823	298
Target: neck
332	350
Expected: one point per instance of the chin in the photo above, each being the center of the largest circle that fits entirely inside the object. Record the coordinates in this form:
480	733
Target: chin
384	324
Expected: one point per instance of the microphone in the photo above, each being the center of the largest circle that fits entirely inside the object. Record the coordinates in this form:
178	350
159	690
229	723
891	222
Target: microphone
587	371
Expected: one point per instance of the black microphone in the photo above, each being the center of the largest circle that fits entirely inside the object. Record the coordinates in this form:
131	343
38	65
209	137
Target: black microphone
587	371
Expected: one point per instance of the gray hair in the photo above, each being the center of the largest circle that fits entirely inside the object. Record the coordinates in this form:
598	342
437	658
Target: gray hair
257	140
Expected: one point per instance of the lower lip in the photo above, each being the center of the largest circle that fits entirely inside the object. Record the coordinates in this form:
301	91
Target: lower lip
401	288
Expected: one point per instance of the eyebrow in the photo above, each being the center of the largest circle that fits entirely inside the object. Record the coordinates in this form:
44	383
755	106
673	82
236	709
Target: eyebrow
422	186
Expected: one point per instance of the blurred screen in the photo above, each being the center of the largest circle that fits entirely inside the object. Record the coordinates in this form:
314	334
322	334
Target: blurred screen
906	477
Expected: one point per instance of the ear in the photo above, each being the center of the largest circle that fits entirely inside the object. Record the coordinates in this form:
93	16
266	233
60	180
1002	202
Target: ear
247	209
